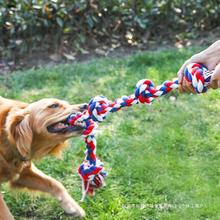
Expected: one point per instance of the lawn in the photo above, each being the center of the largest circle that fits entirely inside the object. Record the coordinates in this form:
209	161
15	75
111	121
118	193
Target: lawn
163	160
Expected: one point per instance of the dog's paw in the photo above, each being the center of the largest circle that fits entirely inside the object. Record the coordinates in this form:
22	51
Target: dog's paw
73	209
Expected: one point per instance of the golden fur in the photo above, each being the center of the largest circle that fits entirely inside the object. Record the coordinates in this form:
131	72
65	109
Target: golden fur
24	137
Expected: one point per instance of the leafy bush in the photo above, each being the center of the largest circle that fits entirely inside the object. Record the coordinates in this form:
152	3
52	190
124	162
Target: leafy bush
29	25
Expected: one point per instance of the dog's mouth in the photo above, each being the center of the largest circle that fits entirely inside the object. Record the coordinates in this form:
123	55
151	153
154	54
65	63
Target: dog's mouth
64	127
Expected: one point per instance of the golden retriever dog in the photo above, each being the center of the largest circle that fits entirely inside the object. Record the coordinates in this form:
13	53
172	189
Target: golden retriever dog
31	131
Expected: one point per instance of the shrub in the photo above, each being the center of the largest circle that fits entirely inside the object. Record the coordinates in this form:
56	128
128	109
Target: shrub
32	25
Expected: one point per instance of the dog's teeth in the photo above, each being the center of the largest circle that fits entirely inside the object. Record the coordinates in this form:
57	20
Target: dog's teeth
60	125
80	123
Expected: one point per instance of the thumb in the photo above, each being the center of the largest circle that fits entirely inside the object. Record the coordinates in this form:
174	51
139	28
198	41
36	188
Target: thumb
181	72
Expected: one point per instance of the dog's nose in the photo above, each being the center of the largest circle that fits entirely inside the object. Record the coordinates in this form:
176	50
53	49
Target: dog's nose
83	107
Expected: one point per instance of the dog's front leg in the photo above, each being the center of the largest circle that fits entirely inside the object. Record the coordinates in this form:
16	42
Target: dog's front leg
34	179
5	214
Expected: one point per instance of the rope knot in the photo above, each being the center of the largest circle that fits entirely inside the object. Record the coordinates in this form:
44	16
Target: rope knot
144	91
99	108
198	75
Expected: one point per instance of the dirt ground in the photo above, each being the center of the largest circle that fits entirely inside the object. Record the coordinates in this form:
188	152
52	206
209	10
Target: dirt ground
36	60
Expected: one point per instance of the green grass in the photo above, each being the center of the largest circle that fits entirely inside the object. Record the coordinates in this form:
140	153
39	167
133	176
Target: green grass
163	160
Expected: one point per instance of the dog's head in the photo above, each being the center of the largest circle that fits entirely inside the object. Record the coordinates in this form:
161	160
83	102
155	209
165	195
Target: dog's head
41	126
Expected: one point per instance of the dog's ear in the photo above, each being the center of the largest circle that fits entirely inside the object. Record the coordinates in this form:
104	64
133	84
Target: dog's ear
19	131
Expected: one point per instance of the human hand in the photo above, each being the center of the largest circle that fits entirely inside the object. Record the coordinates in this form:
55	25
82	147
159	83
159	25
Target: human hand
209	62
210	58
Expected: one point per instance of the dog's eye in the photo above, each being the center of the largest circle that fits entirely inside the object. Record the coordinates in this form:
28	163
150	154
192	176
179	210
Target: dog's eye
56	105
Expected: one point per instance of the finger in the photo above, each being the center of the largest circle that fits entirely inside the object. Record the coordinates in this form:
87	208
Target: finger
185	87
214	83
180	76
181	72
190	87
210	66
180	88
216	72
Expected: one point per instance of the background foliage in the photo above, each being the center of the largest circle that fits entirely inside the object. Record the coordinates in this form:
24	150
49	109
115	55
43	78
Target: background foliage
57	25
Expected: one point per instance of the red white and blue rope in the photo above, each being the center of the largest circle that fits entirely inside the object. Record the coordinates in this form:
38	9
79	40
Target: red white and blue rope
92	170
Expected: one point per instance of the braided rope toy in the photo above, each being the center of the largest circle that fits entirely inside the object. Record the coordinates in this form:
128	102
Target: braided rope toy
92	170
